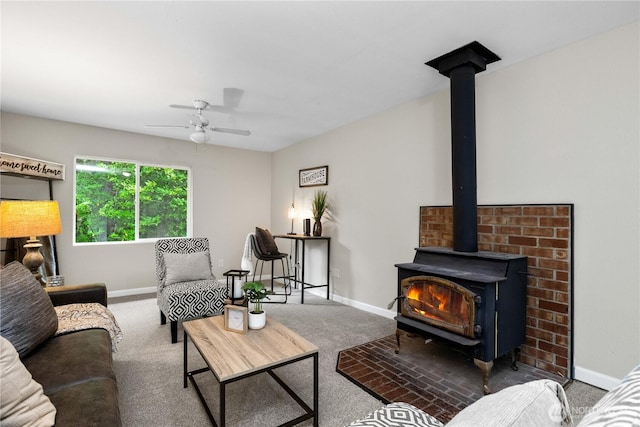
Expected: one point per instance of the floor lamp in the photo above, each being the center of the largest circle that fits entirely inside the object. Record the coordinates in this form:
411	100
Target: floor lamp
28	218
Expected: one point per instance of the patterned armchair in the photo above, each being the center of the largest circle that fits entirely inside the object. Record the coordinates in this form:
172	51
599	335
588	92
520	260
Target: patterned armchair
187	287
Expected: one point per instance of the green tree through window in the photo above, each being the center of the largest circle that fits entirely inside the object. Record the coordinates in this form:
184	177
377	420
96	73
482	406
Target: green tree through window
106	195
163	202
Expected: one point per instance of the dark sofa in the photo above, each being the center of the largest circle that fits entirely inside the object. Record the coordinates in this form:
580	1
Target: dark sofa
74	369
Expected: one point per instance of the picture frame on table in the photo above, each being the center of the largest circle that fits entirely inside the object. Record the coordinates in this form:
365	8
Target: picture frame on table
312	177
236	319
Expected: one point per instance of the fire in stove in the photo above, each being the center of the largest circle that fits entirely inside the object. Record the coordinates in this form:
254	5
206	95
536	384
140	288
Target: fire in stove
440	302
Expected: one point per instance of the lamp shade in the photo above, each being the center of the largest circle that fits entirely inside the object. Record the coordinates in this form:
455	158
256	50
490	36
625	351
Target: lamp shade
27	218
199	136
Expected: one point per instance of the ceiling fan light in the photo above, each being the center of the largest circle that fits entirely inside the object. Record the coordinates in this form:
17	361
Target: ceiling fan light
200	105
199	137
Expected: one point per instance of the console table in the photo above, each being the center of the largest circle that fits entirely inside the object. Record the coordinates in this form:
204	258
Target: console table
301	240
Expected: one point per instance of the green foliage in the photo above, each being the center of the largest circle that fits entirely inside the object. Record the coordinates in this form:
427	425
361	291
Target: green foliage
106	201
163	202
255	292
319	204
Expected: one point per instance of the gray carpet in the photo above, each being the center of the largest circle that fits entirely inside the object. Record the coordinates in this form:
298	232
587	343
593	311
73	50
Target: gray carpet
149	369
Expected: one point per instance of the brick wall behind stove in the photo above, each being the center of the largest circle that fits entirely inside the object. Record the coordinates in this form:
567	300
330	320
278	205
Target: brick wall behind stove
543	233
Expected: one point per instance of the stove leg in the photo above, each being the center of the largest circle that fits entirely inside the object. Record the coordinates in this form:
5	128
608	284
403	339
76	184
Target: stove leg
485	368
398	333
515	356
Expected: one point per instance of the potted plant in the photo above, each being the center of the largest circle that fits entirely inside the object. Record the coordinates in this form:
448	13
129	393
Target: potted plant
319	205
255	292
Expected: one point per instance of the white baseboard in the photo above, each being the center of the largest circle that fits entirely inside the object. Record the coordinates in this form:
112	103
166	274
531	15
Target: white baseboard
595	378
389	314
130	292
322	293
152	289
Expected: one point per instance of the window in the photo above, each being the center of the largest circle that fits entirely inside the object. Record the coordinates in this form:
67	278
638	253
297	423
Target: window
120	201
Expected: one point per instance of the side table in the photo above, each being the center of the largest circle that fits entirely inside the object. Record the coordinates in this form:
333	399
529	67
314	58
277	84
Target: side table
299	238
233	274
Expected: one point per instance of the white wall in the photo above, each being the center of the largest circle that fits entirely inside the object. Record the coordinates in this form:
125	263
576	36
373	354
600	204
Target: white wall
560	128
231	195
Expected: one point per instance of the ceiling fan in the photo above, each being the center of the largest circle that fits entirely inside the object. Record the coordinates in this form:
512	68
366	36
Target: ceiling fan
200	123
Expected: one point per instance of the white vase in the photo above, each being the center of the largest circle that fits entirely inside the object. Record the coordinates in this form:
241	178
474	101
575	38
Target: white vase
257	320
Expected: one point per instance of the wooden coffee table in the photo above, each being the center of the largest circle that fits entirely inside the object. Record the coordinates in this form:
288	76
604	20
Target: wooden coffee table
232	356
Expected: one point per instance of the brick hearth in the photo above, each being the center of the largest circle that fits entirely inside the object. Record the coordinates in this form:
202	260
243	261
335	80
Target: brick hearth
434	377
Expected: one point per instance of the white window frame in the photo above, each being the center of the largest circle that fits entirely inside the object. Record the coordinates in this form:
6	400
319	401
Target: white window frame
138	164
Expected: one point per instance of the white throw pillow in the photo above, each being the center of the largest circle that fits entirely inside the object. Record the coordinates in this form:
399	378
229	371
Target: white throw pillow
536	403
186	267
22	401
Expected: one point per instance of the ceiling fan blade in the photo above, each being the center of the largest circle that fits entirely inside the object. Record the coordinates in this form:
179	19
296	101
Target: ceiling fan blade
219	109
185	107
216	108
166	126
231	97
233	131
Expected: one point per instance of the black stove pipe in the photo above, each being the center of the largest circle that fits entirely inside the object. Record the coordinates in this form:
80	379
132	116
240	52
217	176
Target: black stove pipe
461	66
463	159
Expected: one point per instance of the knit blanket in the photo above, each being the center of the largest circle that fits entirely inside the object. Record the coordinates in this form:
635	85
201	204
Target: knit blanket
76	317
247	261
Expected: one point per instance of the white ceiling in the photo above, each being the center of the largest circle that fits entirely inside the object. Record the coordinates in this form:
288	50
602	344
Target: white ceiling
305	67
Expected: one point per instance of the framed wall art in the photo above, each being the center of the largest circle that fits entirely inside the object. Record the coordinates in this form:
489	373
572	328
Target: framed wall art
235	319
312	177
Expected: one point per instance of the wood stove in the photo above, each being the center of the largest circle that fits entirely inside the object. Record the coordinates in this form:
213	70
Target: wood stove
476	300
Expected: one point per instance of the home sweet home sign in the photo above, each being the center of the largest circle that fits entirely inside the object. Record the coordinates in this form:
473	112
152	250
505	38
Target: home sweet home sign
26	166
